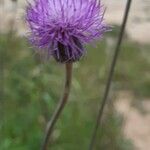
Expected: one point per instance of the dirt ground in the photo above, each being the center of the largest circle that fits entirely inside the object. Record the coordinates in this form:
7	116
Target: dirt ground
136	123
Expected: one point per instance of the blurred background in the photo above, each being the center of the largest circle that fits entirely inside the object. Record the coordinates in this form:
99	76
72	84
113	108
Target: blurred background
30	87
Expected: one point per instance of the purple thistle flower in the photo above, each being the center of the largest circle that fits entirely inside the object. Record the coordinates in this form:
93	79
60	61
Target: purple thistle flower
63	26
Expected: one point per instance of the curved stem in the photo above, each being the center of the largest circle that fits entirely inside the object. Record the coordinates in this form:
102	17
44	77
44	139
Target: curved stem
60	106
110	75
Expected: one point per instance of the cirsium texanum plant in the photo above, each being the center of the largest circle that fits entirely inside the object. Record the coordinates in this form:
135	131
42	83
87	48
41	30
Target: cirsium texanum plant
62	28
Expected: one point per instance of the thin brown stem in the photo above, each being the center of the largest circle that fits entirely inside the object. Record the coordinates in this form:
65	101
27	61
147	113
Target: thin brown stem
110	76
59	108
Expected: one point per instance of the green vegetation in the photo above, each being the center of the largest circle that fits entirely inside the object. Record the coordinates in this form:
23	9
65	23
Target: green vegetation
32	88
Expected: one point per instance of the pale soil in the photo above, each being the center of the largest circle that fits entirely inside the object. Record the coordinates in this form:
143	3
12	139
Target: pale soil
136	124
139	18
137	27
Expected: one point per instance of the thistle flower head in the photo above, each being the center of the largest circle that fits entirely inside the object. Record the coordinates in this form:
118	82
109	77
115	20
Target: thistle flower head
63	26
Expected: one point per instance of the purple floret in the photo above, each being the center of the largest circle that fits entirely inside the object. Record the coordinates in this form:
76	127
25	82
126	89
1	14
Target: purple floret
63	27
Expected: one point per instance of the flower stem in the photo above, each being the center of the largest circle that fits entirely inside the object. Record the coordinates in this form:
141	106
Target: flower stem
110	76
59	108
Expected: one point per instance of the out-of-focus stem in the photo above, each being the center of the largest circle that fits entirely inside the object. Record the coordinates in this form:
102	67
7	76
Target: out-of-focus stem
110	75
59	108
